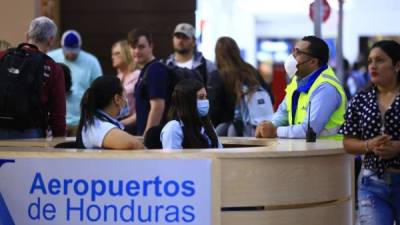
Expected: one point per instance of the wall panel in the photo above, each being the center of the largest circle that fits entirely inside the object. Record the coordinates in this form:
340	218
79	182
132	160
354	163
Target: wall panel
103	22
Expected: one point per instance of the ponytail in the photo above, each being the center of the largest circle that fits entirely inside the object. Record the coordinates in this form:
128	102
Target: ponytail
88	108
98	96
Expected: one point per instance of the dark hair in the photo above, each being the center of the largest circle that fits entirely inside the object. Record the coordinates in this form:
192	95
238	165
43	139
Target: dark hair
392	49
184	108
135	34
233	69
67	77
318	49
98	96
346	64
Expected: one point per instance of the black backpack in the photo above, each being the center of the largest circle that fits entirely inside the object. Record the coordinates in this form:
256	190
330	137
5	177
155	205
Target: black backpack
176	74
21	80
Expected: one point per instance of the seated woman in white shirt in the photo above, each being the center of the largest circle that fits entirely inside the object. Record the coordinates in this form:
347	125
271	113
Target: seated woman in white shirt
190	125
98	126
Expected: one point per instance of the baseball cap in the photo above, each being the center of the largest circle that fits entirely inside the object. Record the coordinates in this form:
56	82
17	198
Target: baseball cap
186	29
71	41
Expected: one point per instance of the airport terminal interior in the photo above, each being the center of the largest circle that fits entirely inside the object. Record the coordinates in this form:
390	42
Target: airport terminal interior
200	112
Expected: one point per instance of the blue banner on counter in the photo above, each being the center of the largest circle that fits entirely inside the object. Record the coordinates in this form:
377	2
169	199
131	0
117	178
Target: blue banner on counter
105	191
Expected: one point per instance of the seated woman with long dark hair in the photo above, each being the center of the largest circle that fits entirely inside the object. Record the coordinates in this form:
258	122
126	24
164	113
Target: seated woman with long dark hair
98	126
190	125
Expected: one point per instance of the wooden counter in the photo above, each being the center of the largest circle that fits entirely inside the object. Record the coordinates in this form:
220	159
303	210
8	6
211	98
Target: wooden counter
278	182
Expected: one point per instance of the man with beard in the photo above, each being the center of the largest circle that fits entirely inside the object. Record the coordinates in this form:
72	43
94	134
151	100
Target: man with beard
186	56
85	68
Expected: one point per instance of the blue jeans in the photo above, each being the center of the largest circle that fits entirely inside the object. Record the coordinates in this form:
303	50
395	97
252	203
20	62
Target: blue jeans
16	134
379	199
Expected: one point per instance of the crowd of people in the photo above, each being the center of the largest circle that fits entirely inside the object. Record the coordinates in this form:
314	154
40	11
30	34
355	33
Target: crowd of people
225	98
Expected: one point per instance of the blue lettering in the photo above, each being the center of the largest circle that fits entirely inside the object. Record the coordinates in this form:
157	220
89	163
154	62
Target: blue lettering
188	211
54	186
119	188
38	184
172	216
175	188
96	213
98	188
188	187
34	210
49	211
84	185
157	183
78	208
146	183
114	211
132	188
158	208
127	212
141	212
67	182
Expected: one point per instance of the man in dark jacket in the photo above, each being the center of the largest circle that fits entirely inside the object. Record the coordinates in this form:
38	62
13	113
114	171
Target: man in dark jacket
40	36
186	55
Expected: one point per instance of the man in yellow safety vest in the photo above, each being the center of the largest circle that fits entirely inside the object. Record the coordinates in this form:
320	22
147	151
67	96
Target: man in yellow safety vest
314	98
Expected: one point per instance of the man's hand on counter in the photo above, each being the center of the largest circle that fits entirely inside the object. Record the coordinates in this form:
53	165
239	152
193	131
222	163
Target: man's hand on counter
266	129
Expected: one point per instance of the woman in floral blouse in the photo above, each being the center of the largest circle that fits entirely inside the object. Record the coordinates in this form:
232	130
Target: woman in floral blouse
372	128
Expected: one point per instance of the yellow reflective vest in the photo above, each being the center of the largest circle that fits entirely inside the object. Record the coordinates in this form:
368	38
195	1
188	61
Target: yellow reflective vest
336	119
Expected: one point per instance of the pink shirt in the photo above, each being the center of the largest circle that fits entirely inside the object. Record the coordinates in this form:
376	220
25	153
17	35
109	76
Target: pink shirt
129	82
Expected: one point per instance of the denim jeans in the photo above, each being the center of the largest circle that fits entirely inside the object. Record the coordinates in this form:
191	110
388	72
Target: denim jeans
379	198
16	134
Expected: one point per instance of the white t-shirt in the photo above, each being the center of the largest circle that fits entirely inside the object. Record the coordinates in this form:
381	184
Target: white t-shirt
93	135
188	64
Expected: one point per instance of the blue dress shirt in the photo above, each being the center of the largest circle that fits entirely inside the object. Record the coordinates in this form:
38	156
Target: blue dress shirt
325	100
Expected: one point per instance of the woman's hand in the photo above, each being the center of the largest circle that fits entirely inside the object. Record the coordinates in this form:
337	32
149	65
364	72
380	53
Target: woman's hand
387	151
378	141
383	147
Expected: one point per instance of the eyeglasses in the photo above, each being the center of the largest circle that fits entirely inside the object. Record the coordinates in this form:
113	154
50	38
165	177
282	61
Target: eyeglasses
296	52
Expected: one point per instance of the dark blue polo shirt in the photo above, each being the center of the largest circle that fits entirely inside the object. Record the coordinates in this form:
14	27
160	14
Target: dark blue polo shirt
152	84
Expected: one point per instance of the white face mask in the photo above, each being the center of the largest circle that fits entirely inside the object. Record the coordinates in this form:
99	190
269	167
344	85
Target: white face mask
291	66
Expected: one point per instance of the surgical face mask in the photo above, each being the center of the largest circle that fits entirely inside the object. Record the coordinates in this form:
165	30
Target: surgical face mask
203	107
291	66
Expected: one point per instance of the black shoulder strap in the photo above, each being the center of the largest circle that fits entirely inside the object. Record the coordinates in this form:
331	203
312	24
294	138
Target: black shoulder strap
20	46
265	86
146	71
202	69
143	78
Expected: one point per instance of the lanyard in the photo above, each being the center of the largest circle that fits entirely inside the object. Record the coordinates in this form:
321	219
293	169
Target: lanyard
304	89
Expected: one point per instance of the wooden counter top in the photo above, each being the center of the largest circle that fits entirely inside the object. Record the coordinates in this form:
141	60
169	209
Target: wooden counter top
254	181
243	148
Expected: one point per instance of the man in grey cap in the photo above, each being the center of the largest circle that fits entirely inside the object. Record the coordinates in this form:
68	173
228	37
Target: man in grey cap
185	52
186	55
